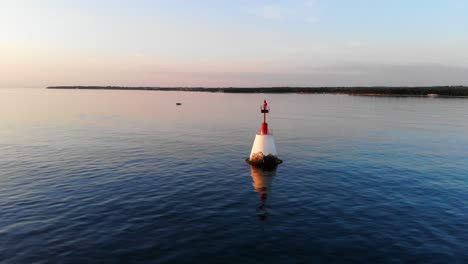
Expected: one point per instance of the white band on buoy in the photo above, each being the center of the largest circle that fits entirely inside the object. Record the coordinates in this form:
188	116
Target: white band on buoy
264	144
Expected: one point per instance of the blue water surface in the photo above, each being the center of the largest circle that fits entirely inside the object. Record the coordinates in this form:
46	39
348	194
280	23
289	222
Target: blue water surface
128	176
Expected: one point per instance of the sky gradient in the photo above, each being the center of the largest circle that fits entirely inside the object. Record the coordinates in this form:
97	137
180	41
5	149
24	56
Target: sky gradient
233	43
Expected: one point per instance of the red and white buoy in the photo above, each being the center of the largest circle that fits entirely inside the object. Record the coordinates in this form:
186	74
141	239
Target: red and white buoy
263	152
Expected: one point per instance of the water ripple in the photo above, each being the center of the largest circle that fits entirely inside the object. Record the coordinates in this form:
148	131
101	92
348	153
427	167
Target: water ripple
363	180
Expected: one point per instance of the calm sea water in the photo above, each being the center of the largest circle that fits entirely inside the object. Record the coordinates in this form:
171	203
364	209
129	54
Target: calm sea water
128	176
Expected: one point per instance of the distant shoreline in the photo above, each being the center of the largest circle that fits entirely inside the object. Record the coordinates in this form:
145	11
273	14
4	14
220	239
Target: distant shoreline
396	91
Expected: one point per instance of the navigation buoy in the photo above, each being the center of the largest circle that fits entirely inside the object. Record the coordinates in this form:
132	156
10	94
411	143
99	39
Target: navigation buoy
263	152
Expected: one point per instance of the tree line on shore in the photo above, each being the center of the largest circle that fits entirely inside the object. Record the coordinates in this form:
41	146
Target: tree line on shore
370	90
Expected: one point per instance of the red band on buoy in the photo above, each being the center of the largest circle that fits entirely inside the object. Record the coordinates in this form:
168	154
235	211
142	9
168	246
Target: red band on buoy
264	129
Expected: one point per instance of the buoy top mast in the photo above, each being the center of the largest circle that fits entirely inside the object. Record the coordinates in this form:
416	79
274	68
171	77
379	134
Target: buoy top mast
264	109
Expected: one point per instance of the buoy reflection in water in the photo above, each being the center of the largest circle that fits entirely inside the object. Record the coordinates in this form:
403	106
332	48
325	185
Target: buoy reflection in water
262	180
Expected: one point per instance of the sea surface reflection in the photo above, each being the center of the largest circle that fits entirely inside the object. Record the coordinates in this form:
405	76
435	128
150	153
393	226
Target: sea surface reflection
130	177
262	180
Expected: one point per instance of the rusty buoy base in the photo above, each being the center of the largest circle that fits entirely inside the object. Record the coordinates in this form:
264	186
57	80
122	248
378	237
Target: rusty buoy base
265	162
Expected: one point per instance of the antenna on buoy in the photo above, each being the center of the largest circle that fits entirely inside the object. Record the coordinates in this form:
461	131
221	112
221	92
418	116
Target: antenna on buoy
263	152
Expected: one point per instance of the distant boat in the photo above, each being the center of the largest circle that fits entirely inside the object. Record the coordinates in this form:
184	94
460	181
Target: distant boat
178	103
432	95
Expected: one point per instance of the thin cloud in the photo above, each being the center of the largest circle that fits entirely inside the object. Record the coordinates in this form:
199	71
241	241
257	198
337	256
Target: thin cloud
311	3
274	12
354	44
305	11
311	7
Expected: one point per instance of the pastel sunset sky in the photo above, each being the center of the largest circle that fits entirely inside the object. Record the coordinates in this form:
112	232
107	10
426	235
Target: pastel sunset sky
233	43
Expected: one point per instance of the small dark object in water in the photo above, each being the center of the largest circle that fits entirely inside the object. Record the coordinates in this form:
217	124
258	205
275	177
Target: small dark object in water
178	103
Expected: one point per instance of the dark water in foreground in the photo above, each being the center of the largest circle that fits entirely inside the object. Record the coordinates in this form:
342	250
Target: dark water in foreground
109	176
